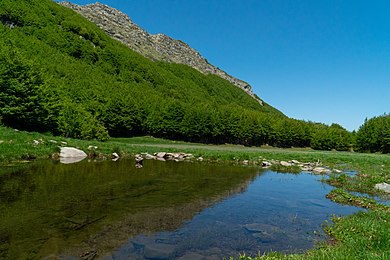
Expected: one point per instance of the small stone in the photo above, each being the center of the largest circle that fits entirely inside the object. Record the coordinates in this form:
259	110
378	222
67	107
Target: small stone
64	143
200	159
52	141
385	187
35	142
321	170
285	164
149	156
92	147
245	162
295	162
138	158
161	155
307	168
115	156
188	155
266	164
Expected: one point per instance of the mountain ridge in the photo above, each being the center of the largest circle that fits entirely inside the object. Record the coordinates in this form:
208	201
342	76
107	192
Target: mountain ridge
161	47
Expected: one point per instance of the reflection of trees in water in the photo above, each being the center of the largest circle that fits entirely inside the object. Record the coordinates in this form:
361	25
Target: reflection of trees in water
53	208
162	219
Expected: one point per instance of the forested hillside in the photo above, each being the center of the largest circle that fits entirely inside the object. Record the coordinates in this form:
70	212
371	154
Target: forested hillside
374	135
60	73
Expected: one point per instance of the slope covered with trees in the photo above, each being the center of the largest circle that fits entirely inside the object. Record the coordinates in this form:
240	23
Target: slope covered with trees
60	73
374	135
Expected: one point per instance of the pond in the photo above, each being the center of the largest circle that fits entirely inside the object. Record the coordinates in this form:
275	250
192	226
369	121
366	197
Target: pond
165	210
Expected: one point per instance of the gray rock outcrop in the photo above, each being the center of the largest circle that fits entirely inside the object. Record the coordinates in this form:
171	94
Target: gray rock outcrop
156	47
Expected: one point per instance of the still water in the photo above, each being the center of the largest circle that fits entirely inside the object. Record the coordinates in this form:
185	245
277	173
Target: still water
165	210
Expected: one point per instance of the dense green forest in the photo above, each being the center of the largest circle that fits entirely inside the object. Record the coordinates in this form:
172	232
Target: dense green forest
60	73
374	135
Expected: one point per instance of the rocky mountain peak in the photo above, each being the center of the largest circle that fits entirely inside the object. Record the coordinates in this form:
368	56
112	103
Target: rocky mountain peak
153	46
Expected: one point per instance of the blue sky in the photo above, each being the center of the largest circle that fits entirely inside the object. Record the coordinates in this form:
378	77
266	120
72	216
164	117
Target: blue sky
325	61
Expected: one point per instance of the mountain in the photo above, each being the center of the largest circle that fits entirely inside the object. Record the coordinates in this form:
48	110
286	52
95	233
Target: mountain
61	73
157	47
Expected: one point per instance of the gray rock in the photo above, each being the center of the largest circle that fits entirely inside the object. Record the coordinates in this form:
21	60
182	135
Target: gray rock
149	156
321	170
285	164
71	152
188	155
138	158
307	168
266	164
385	187
295	162
70	155
161	155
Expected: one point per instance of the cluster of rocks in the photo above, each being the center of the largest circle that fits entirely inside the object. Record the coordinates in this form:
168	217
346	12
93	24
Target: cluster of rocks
314	167
156	47
163	156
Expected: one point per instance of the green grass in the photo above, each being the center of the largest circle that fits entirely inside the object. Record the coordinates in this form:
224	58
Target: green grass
360	236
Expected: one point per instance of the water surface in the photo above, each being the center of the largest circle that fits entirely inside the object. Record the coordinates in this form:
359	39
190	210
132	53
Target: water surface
278	212
165	210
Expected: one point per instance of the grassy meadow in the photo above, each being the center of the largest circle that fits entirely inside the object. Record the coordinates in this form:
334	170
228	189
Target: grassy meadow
360	236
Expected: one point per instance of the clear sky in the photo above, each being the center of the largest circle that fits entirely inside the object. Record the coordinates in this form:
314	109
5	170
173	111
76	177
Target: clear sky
324	61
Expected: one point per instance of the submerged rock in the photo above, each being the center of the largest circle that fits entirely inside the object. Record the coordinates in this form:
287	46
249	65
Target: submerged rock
159	251
260	228
383	187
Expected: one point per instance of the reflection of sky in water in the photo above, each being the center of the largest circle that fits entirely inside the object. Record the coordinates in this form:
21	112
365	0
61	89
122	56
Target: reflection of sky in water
278	212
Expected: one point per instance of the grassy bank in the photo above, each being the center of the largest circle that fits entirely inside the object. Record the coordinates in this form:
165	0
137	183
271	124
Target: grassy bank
360	236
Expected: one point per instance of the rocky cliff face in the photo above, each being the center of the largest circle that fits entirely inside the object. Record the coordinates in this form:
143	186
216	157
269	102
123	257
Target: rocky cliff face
158	47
